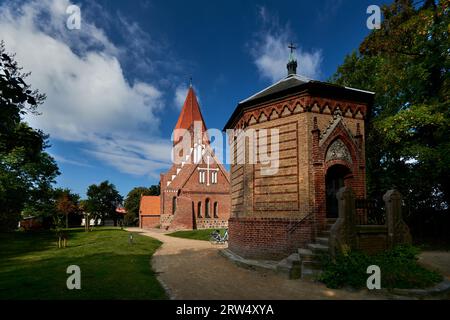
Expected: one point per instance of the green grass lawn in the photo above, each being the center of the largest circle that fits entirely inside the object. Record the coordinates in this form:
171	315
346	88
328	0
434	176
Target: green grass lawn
32	267
204	234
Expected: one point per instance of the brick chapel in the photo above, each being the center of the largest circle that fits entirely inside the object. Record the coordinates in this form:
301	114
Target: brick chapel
321	149
195	193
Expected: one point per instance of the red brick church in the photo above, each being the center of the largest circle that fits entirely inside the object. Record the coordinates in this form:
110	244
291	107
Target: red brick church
195	193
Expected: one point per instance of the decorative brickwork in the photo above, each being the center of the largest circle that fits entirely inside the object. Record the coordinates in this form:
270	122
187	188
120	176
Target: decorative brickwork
195	194
321	128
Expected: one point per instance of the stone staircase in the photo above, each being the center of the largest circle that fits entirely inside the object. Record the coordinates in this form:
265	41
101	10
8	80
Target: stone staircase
305	263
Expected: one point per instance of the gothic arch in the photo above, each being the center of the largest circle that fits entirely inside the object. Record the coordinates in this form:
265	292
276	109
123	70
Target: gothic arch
174	205
199	209
338	150
207	208
216	209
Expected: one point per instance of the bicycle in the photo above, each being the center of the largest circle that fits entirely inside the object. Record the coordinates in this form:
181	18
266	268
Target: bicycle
216	238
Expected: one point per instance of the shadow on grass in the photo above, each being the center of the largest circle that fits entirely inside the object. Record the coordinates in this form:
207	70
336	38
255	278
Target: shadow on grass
111	268
103	276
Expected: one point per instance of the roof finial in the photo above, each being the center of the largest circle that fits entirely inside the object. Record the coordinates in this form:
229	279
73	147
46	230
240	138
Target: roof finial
291	55
190	82
292	64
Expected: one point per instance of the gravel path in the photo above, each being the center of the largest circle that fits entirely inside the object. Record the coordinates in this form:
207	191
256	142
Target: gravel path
193	269
438	260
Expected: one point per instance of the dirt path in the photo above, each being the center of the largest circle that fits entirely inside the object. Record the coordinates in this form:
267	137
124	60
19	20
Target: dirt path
438	260
192	269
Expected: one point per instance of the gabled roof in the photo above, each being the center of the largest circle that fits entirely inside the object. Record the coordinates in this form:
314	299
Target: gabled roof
294	84
189	114
149	205
283	84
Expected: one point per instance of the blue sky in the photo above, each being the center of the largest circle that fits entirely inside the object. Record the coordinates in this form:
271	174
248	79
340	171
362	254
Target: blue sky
115	87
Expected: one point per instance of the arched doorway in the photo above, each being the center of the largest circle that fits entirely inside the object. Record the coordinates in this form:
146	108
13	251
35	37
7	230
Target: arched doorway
334	180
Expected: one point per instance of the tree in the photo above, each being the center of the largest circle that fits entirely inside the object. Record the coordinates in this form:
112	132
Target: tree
406	63
102	201
26	171
67	204
133	200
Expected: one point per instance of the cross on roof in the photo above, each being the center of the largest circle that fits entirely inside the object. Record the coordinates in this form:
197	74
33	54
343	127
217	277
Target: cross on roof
292	47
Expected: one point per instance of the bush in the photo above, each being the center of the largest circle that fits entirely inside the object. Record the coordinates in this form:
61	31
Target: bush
399	269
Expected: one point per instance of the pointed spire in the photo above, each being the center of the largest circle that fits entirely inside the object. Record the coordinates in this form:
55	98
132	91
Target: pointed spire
292	64
190	113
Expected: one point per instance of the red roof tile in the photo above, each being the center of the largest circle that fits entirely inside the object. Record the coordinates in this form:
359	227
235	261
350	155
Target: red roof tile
149	205
189	114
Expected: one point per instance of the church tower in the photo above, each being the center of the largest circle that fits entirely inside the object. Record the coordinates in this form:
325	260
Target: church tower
195	190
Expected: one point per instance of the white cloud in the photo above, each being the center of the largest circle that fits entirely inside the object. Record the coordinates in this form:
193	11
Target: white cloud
89	100
62	159
270	51
180	96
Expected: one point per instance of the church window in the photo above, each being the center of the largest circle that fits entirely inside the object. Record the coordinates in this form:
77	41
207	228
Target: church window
202	176
174	204
214	177
199	210
207	209
216	210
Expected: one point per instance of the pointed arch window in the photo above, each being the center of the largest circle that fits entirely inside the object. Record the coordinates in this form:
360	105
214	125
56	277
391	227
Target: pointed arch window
174	205
199	209
216	210
207	205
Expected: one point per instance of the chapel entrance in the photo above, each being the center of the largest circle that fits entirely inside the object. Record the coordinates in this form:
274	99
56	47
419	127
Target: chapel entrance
334	181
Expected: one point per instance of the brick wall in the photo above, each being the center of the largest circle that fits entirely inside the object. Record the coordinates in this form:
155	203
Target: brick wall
188	193
149	221
263	207
267	238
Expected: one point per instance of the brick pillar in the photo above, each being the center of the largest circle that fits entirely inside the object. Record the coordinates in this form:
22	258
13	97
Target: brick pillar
249	171
319	180
398	231
360	174
343	232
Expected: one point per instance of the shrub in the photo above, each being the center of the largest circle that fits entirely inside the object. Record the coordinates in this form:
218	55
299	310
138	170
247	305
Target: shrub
399	269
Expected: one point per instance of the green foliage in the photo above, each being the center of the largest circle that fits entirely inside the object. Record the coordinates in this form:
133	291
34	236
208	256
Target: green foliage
132	202
399	269
26	171
102	201
406	64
